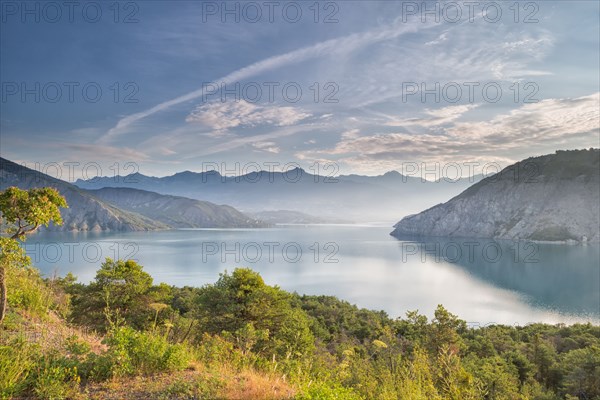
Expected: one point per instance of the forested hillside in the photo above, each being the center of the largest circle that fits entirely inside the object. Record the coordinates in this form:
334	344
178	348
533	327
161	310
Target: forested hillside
123	336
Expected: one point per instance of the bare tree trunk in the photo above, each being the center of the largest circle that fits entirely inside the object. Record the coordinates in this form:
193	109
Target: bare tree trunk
188	332
3	294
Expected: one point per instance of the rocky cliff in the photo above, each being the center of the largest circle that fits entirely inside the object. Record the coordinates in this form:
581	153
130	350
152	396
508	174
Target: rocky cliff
549	198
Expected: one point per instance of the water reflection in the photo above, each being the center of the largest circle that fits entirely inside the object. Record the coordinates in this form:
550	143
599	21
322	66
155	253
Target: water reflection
561	277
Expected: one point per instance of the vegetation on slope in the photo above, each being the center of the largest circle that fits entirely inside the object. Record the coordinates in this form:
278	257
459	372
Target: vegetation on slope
123	336
241	338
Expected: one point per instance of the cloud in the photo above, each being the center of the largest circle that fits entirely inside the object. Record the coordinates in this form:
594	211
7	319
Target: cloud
269	147
533	128
442	38
330	47
536	46
550	120
471	53
242	141
435	117
103	153
222	116
351	134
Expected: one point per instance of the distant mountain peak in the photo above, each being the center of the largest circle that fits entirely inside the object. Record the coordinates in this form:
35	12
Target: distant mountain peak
185	173
392	174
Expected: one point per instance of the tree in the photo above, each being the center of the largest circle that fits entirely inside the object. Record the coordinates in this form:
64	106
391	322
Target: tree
121	287
23	212
26	210
582	372
444	331
241	304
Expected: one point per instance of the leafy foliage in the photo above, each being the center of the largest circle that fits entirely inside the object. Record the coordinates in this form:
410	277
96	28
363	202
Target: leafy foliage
23	212
326	348
121	288
259	317
26	210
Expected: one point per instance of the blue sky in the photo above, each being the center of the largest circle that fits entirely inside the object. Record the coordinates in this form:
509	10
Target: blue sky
360	77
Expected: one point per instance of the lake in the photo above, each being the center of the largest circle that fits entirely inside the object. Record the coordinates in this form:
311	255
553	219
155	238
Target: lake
482	281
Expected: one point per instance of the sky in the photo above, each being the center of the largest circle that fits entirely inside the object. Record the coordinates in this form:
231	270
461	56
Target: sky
346	86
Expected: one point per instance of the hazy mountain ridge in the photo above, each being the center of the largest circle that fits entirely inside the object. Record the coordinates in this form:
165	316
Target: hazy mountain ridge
349	197
554	197
177	211
134	211
294	217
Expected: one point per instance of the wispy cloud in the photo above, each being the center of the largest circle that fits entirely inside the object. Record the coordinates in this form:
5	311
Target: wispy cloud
442	38
269	147
548	121
222	116
434	117
242	141
533	128
330	47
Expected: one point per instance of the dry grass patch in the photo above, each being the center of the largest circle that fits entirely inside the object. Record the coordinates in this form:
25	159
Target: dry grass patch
193	384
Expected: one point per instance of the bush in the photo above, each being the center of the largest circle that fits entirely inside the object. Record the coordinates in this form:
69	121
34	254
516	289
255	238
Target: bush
324	391
27	291
136	352
16	360
24	369
213	350
260	316
55	378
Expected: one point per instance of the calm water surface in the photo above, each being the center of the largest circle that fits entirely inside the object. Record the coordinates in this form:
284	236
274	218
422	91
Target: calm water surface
482	281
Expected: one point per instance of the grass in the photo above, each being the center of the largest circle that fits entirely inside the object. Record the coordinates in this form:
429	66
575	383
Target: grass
194	383
36	354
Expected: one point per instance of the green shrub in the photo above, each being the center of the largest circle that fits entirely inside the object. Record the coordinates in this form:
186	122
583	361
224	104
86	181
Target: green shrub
179	390
325	391
153	353
76	347
55	378
214	350
16	360
27	291
132	352
116	361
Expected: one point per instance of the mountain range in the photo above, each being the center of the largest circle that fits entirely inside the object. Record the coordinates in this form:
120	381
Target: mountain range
552	198
354	198
124	210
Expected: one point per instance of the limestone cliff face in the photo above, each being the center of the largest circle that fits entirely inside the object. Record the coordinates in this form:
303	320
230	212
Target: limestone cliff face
549	198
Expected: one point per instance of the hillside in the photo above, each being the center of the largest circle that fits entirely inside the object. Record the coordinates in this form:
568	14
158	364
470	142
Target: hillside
552	198
125	209
86	212
176	211
241	338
